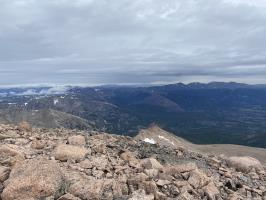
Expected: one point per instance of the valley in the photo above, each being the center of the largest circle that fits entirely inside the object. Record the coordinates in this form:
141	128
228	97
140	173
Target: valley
214	113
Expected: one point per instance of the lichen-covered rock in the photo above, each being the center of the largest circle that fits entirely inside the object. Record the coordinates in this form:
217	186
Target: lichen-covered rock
34	179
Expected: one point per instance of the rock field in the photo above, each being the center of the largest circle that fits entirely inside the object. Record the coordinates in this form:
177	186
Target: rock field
47	164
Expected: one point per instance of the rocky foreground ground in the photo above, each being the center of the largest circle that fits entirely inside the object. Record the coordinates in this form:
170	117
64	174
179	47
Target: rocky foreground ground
44	164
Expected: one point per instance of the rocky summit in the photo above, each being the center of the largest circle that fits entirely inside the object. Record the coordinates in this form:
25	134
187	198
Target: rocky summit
47	164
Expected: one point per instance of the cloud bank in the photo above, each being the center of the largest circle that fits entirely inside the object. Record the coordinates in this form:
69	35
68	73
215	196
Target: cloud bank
124	41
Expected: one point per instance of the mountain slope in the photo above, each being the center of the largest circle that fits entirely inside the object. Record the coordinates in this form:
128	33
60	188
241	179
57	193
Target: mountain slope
155	134
45	118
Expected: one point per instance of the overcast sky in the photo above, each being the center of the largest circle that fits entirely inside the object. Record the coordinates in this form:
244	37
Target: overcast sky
94	42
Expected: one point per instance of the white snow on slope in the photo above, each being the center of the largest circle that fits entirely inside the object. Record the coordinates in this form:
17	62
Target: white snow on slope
151	141
55	101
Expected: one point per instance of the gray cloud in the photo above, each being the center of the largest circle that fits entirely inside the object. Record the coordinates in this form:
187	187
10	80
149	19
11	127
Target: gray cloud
124	41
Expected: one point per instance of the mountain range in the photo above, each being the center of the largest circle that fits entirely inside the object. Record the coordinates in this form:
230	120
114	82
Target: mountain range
213	113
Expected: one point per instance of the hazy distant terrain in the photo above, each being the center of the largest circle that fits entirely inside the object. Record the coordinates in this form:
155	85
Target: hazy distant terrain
211	113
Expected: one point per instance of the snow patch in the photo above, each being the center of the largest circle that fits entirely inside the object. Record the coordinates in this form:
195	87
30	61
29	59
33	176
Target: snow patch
148	140
56	101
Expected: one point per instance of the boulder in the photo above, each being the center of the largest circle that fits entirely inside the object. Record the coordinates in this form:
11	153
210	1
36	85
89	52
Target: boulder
38	144
198	179
100	148
89	189
8	134
152	173
24	126
70	152
77	140
4	173
180	168
244	164
68	197
100	162
86	164
163	182
10	154
151	163
34	179
185	196
130	158
141	195
211	191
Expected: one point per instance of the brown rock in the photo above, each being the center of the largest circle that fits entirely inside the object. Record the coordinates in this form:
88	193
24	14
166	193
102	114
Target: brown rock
100	148
160	196
68	197
77	140
152	173
4	173
137	180
244	164
214	162
180	183
67	152
130	158
10	154
151	163
24	126
163	182
181	168
38	144
198	179
21	141
150	187
9	134
34	179
100	163
185	196
117	189
211	191
141	195
89	189
86	164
